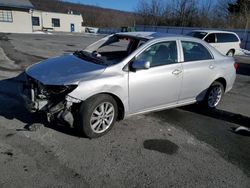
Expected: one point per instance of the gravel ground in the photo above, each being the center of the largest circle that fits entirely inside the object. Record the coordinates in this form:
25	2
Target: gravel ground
182	147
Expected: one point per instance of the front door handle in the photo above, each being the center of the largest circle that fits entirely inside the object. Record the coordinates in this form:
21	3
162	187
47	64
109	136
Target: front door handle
176	72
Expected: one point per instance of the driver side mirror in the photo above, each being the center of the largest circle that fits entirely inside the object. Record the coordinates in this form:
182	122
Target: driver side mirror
141	64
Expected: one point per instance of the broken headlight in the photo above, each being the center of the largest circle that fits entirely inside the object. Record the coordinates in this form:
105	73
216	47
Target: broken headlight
54	90
43	91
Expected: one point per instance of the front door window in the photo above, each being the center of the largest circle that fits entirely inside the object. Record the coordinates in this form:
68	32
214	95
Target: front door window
163	53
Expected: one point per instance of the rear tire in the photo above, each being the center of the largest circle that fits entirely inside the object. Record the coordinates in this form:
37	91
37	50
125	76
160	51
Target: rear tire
97	116
214	95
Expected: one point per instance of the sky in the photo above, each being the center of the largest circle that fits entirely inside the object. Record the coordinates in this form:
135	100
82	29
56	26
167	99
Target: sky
126	5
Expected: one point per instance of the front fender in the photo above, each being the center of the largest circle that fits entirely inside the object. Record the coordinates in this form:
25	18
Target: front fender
116	85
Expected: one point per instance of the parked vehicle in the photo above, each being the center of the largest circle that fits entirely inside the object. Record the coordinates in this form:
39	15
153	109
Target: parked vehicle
91	30
228	43
126	74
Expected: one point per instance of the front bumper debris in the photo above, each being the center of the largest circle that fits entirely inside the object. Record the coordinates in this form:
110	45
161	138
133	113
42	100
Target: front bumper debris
52	100
32	104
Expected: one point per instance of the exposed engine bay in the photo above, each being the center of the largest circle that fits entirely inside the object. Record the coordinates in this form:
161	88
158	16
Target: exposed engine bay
53	100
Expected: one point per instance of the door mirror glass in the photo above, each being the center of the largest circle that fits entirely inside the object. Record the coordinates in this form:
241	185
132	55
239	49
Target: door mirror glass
140	64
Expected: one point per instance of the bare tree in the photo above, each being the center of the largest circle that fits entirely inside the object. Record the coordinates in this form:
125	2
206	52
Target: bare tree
239	13
150	12
185	12
205	13
208	13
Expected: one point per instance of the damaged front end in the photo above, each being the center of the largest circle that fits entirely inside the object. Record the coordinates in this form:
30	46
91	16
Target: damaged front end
50	99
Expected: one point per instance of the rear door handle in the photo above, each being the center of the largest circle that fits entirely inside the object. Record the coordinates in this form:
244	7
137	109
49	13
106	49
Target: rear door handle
176	72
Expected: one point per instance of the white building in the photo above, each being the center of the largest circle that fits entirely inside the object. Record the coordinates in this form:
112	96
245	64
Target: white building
56	21
15	16
19	16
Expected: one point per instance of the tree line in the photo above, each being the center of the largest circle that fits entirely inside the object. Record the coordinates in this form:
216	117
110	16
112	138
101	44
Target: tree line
185	13
194	13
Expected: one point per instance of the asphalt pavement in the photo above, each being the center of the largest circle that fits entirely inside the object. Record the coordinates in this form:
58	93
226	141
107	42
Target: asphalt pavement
181	147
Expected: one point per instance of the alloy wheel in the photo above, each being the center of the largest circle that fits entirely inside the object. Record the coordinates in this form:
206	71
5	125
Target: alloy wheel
214	96
102	117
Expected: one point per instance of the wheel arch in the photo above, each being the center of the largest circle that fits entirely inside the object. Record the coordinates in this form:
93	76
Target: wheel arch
120	105
222	81
232	49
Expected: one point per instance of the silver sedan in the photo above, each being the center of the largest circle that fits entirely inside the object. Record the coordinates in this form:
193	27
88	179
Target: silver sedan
126	74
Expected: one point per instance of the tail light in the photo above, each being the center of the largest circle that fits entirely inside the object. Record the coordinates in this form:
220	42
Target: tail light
236	65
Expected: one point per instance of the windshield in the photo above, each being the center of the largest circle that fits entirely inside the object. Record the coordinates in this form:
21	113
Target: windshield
197	34
110	50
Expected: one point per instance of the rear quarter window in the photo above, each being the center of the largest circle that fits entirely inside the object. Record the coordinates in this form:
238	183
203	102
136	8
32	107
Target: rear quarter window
226	37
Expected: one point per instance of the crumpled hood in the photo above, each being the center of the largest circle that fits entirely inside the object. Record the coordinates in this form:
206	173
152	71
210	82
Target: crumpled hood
64	70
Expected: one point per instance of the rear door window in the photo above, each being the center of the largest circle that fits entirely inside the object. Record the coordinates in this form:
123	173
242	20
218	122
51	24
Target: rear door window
226	37
194	51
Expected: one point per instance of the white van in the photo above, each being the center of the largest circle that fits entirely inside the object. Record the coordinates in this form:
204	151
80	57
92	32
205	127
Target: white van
228	43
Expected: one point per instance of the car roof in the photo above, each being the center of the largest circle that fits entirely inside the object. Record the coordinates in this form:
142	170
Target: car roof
213	31
148	35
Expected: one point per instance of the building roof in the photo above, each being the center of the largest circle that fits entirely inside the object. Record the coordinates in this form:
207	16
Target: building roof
24	4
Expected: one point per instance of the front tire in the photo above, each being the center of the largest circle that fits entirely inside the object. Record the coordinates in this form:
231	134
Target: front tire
97	115
214	95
